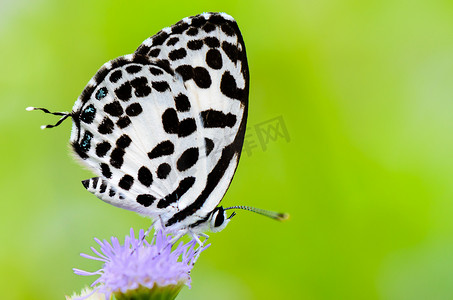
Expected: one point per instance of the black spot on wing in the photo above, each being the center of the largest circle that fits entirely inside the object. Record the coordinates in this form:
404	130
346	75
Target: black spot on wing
94	181
214	59
201	77
88	114
116	158
179	28
163	170
117	155
139	59
105	170
187	127
106	127
103	187
155	71
198	21
83	147
212	42
154	52
209	144
214	118
139	81
187	159
142	91
123	122
172	41
182	103
114	109
134	109
86	183
227	29
165	65
177	54
231	51
172	125
124	92
162	149
115	76
161	86
229	88
186	72
101	93
208	27
141	88
170	121
85	143
183	187
144	176
160	38
145	199
193	31
133	69
123	141
102	149
216	19
195	44
126	182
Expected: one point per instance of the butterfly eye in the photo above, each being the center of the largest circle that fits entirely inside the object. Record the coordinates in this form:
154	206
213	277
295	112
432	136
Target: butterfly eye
102	92
219	218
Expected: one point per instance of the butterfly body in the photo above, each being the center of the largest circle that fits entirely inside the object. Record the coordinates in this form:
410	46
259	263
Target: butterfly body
163	128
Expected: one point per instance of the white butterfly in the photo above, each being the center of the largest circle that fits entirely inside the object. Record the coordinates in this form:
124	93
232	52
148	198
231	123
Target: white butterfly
163	128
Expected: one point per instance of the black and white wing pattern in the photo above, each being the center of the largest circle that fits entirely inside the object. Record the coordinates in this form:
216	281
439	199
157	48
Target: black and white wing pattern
163	127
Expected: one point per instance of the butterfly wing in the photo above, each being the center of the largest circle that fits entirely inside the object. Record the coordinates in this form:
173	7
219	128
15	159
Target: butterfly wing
164	127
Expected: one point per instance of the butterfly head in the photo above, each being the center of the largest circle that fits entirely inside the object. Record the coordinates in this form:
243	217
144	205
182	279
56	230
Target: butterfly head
218	220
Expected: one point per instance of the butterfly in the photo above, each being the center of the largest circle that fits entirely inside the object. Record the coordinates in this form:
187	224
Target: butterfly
163	128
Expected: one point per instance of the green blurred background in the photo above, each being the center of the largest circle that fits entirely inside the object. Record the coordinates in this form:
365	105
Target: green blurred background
365	91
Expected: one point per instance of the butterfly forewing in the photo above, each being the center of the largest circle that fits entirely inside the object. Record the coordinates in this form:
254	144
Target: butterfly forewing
164	127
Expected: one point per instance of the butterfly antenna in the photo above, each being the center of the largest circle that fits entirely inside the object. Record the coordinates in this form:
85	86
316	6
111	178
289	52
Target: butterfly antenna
64	115
271	214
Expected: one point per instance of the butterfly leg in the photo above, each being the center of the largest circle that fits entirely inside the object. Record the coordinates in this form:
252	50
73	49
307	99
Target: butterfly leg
200	243
148	231
170	244
144	236
206	237
196	238
172	241
176	237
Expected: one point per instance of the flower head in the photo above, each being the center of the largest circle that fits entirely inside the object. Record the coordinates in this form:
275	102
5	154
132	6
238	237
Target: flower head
139	266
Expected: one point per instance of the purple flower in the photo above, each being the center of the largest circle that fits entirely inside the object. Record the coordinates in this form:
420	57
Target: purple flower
141	266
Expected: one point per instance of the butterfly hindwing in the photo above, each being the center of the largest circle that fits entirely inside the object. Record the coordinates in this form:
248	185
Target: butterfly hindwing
163	128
